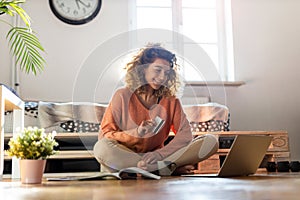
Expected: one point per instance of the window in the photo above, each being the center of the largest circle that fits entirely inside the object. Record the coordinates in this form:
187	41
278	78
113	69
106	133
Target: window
201	23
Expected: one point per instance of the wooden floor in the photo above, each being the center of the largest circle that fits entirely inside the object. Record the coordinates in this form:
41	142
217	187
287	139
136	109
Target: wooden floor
261	186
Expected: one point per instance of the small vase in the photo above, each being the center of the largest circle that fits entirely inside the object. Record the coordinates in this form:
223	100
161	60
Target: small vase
32	171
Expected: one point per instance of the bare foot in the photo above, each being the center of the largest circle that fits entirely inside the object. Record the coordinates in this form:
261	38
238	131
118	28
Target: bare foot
186	169
142	164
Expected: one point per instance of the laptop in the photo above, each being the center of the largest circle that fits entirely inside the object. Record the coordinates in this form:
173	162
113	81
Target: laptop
244	158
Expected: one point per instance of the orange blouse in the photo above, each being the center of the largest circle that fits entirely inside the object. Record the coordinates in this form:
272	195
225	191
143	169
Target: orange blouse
124	114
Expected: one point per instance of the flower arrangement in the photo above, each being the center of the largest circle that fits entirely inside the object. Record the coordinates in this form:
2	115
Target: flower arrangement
32	143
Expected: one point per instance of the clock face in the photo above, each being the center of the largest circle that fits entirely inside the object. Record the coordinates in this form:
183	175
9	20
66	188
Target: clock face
75	11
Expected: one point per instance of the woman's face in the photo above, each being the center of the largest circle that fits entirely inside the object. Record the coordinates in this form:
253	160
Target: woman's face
156	74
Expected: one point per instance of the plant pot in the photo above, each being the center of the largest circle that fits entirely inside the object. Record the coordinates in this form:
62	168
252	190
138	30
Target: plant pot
32	171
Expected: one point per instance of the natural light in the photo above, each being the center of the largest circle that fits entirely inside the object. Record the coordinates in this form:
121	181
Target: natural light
205	23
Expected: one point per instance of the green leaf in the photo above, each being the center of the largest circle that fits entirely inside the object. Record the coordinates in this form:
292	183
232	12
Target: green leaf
20	11
26	47
11	7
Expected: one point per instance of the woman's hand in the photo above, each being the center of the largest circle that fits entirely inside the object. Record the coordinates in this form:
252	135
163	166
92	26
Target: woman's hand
149	161
152	157
146	127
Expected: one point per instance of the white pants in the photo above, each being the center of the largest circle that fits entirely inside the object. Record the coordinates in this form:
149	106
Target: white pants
114	156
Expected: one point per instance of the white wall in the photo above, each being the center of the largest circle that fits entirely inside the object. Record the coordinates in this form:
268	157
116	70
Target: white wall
67	47
266	48
5	60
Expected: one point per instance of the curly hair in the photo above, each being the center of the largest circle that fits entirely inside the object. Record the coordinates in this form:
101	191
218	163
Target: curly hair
135	77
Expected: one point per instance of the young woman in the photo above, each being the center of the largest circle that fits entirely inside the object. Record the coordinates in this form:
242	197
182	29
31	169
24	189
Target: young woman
127	138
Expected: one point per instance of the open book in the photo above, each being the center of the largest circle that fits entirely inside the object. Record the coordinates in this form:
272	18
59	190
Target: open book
126	173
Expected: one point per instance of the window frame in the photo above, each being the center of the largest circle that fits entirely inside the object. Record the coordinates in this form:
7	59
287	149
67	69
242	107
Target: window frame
224	36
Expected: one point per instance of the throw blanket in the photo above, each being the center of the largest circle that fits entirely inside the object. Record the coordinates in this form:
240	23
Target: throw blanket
86	117
206	112
51	114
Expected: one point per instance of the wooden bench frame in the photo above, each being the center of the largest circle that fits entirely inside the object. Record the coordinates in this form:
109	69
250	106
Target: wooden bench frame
278	150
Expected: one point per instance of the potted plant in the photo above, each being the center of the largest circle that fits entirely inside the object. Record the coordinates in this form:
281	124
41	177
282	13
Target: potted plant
32	146
24	44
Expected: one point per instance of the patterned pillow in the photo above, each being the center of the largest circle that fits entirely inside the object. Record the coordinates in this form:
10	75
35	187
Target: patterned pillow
31	109
211	125
79	126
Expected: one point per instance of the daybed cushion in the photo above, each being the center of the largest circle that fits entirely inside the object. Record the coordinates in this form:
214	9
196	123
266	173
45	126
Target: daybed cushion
208	117
72	116
86	117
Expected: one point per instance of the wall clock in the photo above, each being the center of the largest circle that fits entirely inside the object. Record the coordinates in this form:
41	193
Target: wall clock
75	12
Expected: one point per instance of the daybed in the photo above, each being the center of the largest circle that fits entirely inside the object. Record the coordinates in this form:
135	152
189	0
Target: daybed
77	125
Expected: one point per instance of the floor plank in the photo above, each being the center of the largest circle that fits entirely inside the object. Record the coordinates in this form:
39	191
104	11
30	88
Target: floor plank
261	186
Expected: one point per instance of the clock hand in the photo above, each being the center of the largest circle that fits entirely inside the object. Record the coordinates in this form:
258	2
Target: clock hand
86	5
77	3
